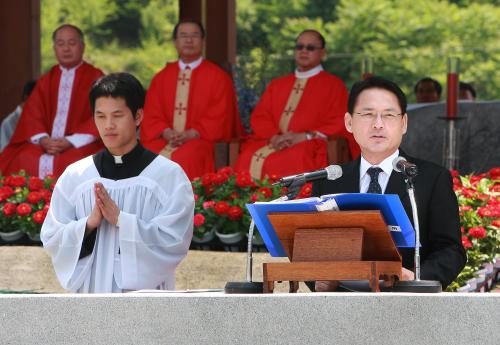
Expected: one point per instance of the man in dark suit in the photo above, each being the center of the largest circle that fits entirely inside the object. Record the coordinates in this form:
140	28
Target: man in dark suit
377	118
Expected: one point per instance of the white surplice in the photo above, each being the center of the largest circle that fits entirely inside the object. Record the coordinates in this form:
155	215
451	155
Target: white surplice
154	233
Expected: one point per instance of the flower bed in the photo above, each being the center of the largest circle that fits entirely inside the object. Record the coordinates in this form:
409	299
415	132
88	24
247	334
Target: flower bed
221	197
479	207
24	202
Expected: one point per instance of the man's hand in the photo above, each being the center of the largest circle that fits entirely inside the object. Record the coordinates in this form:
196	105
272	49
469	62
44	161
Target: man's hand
107	206
407	274
326	285
283	141
62	144
177	139
94	220
55	146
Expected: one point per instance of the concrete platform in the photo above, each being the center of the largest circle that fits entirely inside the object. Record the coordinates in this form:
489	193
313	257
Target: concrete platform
215	318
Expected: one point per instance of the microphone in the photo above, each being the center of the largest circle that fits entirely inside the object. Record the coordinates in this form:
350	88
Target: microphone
400	164
331	172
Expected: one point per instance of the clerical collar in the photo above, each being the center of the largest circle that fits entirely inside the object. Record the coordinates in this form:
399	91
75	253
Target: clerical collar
132	163
308	74
385	165
192	65
64	69
126	158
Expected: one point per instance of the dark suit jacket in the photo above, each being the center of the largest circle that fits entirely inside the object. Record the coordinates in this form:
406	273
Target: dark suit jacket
442	255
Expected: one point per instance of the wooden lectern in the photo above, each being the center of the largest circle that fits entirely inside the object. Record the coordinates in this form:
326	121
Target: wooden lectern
333	245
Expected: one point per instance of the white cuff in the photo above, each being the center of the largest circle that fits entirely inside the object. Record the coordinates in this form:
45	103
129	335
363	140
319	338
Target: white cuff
36	138
79	140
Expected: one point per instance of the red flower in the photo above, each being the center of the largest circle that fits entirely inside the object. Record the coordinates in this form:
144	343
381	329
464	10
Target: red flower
266	192
477	232
34	197
225	170
46	195
207	179
234	213
234	195
220	178
5	193
485	212
221	207
35	183
52	185
464	208
244	180
456	182
462	230
483	197
468	192
18	181
495	173
495	188
208	204
46	208
7	181
454	173
496	223
9	209
466	242
39	217
199	219
253	198
24	209
306	190
196	197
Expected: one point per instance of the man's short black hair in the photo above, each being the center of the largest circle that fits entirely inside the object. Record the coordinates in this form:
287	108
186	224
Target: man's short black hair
317	33
76	28
376	82
437	85
119	85
191	21
466	86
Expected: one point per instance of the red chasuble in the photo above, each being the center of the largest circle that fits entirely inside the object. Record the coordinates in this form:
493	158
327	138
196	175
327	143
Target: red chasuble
321	108
38	116
211	111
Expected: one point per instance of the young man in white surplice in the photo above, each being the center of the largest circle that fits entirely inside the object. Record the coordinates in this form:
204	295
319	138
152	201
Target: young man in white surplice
121	219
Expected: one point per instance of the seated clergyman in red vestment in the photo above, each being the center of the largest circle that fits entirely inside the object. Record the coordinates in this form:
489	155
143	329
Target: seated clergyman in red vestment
56	127
190	105
294	116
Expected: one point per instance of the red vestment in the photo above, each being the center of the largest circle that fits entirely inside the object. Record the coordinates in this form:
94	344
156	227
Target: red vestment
211	110
321	108
38	117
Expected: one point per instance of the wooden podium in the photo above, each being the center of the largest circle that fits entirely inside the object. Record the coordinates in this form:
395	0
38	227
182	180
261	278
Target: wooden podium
333	245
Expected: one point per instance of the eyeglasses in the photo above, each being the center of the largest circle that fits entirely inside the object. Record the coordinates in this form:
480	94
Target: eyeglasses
387	117
192	36
308	47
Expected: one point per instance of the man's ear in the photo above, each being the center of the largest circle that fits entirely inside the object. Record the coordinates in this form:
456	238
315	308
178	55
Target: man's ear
139	116
348	122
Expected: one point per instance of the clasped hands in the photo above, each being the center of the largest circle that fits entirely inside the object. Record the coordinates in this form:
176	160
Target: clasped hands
104	208
176	139
54	146
283	141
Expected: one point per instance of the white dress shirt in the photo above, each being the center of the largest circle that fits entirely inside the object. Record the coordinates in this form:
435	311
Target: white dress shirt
383	177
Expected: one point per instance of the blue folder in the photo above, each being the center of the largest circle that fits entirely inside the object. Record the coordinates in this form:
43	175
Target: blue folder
390	206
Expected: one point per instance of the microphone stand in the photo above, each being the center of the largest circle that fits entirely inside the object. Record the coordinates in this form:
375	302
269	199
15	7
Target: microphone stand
249	286
417	285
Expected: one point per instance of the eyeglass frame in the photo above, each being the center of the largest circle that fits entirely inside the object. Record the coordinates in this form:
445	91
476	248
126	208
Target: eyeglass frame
309	47
369	116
